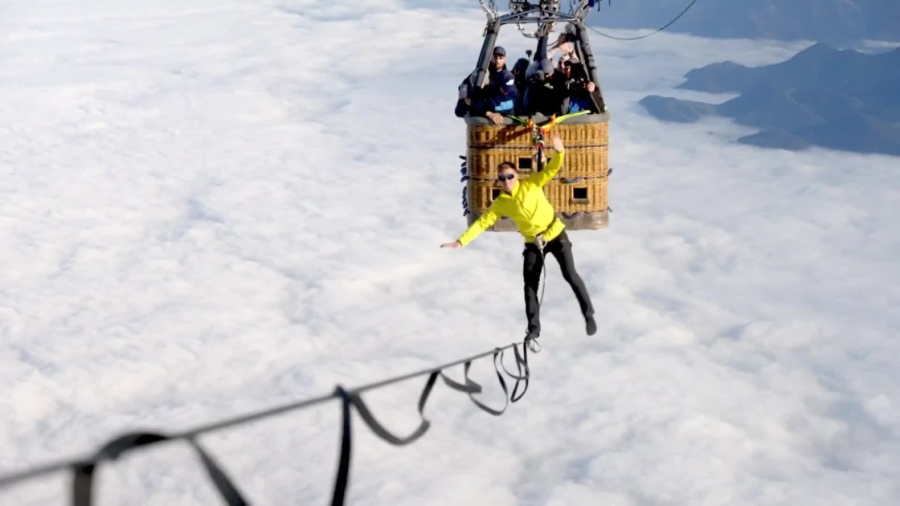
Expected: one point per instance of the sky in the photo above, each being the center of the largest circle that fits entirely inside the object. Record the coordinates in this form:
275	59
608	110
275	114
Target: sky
213	207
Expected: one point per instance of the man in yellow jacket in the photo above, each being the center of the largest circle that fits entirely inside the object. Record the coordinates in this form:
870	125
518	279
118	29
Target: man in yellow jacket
525	203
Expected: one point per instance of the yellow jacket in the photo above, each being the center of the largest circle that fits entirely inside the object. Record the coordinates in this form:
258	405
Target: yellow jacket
526	205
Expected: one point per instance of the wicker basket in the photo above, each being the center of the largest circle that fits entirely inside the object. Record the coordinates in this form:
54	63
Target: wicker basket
582	162
587	153
585	195
572	134
481	194
482	163
489	136
583	134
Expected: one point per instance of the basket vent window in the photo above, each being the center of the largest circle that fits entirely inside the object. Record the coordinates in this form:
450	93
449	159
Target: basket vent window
580	193
495	192
525	163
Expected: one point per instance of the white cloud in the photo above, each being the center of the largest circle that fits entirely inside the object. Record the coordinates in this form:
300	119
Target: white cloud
212	207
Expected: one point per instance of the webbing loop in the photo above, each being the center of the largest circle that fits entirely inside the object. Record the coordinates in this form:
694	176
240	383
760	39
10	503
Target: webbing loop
83	472
383	433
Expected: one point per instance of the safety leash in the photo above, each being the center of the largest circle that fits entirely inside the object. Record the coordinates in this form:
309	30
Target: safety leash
539	241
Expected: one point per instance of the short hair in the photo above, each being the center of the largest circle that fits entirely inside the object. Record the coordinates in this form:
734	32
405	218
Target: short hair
507	165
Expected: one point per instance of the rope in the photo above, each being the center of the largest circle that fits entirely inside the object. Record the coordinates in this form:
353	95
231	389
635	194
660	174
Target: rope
649	34
83	468
543	276
539	242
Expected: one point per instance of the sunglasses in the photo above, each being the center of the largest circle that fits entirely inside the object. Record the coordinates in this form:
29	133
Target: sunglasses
506	177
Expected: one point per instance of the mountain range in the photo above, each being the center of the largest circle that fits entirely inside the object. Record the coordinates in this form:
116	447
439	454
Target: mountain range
838	99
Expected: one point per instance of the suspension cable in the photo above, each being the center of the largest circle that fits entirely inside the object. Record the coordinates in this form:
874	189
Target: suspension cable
83	468
649	34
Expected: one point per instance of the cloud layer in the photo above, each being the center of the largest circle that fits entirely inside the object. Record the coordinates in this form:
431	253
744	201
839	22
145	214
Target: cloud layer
215	207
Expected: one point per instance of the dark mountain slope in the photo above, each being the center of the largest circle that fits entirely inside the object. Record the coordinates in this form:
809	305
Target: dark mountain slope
839	99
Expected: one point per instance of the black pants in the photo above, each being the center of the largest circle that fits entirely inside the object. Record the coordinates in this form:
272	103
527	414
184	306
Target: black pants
561	248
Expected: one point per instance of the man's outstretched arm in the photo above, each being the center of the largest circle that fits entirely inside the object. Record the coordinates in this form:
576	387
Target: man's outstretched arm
543	177
484	222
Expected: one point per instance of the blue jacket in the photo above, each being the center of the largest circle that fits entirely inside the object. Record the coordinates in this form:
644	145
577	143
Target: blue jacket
500	96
